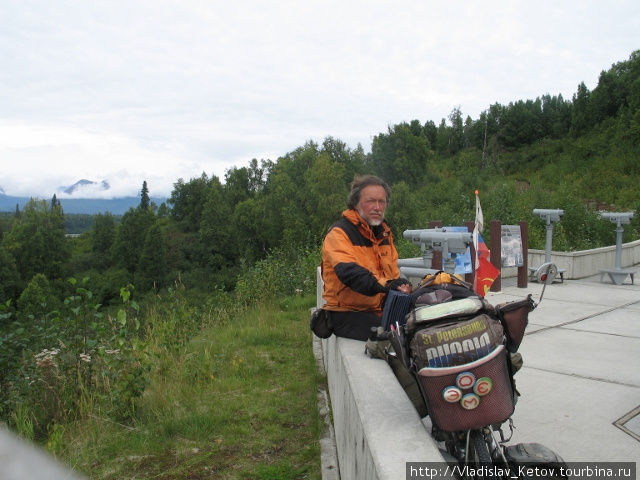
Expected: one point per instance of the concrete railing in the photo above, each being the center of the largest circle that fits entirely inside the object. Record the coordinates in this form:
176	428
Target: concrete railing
578	264
377	429
20	460
585	263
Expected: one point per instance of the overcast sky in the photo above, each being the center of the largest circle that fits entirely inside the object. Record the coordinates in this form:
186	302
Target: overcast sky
126	91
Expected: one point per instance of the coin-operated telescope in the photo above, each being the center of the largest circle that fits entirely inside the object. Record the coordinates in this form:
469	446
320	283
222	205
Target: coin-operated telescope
619	218
551	216
438	240
547	272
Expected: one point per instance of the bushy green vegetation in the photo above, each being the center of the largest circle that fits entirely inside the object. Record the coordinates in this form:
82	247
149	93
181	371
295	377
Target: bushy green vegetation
239	400
218	385
93	329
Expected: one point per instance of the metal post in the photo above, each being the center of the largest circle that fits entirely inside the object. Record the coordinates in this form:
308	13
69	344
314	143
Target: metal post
547	248
619	231
436	259
551	216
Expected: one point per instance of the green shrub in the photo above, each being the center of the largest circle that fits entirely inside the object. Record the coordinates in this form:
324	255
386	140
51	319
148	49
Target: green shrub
285	271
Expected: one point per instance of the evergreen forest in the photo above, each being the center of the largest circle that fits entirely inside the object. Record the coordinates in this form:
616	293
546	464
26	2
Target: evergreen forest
86	321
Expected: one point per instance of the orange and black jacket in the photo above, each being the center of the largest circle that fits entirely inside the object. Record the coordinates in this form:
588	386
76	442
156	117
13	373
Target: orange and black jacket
357	264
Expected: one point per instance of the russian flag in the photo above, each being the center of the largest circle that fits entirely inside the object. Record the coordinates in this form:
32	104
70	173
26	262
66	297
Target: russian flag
486	273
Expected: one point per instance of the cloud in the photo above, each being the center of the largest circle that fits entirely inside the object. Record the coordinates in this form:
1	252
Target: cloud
128	91
44	158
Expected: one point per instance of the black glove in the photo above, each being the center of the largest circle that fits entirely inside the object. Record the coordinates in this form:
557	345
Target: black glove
396	282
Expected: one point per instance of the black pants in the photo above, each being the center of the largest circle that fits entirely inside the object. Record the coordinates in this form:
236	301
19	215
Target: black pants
355	325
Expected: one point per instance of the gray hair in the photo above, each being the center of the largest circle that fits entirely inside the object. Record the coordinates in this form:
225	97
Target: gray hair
360	183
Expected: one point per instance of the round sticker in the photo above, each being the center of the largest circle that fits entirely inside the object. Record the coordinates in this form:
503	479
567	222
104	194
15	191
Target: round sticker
483	386
451	394
470	401
465	380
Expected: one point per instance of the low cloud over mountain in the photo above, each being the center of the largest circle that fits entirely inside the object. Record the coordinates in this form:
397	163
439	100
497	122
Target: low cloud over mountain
85	189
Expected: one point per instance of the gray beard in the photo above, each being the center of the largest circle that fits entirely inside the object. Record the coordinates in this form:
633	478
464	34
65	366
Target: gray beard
373	223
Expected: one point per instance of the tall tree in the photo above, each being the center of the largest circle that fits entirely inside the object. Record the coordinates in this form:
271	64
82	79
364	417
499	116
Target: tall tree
37	241
431	133
151	271
352	160
400	155
327	191
443	136
218	233
9	276
130	237
580	118
102	237
145	202
456	137
187	200
237	185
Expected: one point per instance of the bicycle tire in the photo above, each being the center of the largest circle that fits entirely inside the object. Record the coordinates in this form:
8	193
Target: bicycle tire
480	448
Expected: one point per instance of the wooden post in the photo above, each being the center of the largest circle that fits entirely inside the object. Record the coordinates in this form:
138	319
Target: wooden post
523	271
495	228
436	259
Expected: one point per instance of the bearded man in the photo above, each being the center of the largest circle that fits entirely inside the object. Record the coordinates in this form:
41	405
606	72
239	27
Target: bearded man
360	261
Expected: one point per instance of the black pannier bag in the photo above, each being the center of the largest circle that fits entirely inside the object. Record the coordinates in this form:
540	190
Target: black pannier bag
320	323
514	317
534	455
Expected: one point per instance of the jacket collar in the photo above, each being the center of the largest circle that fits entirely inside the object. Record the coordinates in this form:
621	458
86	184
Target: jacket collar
354	217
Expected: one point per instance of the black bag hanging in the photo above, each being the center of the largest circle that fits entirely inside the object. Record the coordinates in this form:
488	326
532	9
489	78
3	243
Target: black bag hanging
395	309
320	323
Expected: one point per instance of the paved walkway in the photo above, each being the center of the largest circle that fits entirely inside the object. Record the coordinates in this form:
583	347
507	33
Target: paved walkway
580	383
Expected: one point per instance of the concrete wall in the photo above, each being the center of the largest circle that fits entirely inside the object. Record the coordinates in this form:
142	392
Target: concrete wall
377	429
585	263
579	264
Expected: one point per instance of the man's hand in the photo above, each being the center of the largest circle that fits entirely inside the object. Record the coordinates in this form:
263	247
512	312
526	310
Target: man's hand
401	284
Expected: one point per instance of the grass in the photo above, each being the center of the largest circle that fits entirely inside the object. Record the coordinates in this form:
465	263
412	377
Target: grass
239	402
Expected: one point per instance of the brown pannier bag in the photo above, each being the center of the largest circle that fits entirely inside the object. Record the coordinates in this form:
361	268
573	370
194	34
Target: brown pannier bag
493	406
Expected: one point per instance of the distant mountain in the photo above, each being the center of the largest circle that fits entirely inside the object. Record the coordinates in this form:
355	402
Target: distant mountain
89	206
84	184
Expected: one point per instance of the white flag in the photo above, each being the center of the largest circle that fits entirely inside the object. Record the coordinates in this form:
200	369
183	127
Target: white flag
479	217
478	227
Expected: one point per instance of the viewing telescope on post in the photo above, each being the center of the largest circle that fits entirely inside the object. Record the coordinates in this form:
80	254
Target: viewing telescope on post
621	218
439	240
551	216
547	271
618	274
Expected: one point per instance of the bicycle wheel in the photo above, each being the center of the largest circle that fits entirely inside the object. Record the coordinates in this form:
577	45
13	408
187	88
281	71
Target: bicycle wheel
478	446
